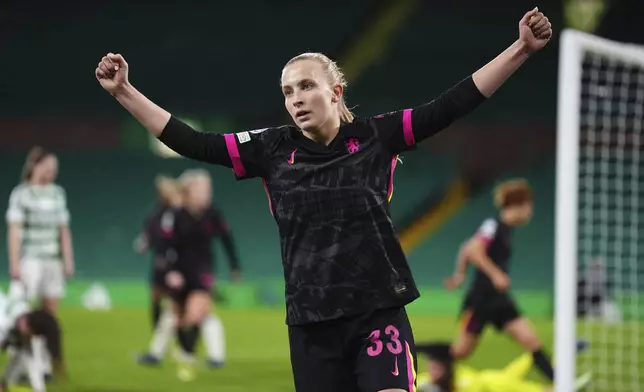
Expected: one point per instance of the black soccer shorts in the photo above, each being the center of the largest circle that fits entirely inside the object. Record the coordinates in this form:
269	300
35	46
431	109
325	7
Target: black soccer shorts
193	281
479	310
366	353
157	277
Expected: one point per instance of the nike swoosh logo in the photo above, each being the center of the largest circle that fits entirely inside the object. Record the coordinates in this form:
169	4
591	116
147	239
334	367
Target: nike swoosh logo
395	372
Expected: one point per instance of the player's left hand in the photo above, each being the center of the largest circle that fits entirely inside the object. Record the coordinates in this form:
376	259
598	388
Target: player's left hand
535	30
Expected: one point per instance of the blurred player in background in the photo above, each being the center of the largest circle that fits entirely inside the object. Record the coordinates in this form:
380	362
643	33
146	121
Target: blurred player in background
329	180
39	237
190	278
443	375
157	237
21	329
488	300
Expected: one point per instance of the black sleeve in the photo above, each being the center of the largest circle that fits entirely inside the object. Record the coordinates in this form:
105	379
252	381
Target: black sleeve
402	130
231	250
201	146
226	237
244	152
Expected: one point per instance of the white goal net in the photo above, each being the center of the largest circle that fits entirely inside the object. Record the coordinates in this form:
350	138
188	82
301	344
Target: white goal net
599	241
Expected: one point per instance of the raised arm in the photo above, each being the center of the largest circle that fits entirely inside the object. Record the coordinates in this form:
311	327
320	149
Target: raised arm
402	130
535	31
112	74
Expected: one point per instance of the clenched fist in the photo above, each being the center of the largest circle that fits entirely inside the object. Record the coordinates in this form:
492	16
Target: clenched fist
535	30
111	73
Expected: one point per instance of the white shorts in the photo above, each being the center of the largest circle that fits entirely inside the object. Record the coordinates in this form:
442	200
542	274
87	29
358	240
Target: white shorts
43	278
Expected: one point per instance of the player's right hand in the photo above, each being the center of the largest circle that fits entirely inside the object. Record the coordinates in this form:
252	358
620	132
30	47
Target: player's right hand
112	73
501	282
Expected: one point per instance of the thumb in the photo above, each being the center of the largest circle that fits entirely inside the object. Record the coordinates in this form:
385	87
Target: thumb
528	15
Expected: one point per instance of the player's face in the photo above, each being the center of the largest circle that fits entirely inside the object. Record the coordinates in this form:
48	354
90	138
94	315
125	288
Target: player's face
199	193
46	170
523	213
170	195
308	96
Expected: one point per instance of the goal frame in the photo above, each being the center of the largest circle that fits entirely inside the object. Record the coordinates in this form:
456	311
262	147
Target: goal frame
573	45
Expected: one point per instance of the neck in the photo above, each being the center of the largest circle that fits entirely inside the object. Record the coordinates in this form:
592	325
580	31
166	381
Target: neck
36	182
325	133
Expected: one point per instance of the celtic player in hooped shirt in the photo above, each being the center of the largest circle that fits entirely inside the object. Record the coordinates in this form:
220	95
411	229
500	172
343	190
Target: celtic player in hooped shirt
329	180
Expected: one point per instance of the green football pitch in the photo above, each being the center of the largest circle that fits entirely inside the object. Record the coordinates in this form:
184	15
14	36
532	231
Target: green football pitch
100	349
100	346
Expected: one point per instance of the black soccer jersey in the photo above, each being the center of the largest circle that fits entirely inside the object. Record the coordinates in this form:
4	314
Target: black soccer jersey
192	238
340	253
497	236
158	229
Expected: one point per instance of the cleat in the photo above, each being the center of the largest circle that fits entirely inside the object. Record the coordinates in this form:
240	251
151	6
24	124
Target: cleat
148	360
213	364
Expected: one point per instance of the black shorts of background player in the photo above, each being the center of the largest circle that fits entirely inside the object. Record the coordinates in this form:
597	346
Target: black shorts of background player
488	300
157	237
329	180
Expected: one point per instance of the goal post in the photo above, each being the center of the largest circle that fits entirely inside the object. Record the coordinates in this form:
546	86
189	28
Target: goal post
600	121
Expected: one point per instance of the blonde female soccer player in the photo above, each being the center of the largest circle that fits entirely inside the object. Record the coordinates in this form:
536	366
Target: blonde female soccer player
329	181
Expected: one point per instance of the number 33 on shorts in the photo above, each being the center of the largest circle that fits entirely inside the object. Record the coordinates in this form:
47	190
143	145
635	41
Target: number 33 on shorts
393	346
390	361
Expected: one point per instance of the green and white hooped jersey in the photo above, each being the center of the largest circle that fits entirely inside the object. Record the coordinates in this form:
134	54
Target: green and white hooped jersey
42	210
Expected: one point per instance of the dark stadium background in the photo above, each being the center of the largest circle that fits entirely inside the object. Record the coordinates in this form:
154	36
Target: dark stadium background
218	65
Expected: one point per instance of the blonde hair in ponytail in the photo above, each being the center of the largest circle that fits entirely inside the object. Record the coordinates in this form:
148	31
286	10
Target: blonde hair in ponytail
335	76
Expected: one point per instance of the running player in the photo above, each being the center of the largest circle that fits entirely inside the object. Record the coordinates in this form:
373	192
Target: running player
488	300
190	280
39	237
157	237
329	183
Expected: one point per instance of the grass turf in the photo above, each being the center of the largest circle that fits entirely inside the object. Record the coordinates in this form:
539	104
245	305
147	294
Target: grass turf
100	348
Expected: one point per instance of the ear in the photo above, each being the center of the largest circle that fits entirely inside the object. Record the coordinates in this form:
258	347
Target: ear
337	91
